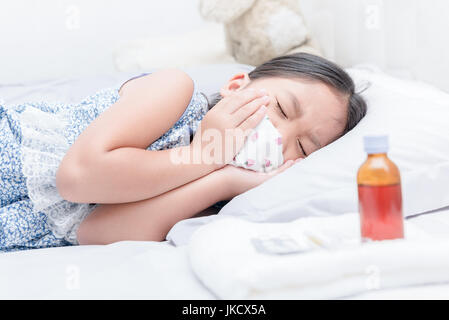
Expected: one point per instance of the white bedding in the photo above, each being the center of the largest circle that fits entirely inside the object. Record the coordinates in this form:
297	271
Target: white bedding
312	258
126	270
145	270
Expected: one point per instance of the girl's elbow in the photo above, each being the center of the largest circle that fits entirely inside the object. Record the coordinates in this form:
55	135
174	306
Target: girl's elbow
68	182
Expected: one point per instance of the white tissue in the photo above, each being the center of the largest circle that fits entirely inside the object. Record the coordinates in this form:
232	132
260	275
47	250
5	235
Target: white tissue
262	150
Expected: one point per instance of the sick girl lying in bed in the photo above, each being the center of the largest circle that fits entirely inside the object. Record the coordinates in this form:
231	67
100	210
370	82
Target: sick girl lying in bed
128	163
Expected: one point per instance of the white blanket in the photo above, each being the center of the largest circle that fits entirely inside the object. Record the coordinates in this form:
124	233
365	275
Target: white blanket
236	259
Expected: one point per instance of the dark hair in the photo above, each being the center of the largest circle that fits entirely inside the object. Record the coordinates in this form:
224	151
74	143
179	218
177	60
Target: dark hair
312	67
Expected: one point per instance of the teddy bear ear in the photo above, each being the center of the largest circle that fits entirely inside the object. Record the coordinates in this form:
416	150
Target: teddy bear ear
223	11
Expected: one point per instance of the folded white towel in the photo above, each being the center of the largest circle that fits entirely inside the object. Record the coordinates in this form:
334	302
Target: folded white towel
311	258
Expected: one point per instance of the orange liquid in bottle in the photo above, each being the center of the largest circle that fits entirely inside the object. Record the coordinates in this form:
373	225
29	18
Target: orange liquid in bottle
380	199
381	212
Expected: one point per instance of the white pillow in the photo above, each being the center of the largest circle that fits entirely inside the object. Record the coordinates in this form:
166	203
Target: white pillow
188	49
416	118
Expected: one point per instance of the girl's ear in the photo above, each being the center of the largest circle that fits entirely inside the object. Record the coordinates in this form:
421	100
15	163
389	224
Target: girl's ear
236	83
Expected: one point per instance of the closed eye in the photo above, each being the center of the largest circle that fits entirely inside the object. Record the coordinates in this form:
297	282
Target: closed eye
302	149
280	109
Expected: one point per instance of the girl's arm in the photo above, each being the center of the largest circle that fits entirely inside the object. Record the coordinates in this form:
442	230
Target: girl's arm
108	162
152	219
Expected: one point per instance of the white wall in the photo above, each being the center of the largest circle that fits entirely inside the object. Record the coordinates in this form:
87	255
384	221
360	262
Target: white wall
405	37
49	38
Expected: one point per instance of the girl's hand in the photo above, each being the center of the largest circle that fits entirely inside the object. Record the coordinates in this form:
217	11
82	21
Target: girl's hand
239	180
224	128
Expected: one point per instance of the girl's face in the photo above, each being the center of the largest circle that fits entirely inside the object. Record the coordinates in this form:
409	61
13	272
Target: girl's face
308	114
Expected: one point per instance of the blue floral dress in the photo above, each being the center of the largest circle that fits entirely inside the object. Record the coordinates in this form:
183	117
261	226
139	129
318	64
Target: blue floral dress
34	137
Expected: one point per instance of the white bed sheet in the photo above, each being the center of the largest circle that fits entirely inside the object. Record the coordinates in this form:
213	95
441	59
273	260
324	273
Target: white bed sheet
124	270
145	270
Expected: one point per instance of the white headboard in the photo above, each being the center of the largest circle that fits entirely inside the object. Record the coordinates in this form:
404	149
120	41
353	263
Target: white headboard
43	39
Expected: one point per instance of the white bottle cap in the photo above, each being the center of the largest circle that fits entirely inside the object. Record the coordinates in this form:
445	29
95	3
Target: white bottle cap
376	144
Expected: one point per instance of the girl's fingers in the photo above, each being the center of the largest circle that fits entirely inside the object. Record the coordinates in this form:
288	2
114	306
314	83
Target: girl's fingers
239	99
252	121
247	110
287	164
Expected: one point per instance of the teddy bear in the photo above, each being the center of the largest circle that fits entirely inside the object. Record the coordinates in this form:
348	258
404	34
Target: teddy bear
259	30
